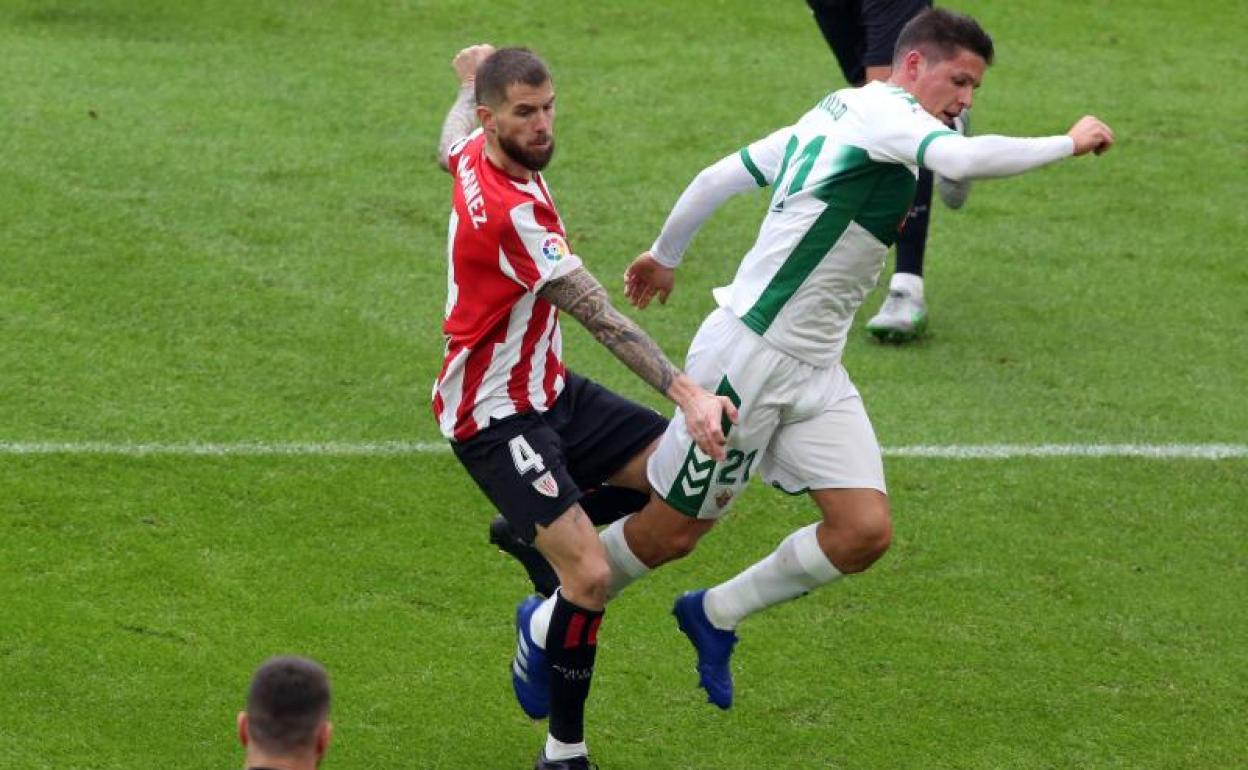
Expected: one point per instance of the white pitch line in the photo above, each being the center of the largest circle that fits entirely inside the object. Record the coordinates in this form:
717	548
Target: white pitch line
1004	451
410	448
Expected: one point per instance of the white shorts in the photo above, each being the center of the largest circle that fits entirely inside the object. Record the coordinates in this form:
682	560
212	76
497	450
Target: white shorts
801	427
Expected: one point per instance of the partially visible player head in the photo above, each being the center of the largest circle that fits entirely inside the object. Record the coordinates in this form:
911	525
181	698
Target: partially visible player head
940	58
516	106
287	714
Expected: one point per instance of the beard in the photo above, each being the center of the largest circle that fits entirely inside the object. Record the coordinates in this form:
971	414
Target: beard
532	159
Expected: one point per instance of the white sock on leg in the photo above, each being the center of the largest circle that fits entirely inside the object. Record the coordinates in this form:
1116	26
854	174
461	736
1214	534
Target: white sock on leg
557	749
625	566
907	282
796	567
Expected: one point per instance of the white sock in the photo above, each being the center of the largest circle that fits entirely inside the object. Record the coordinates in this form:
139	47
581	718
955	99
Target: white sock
625	566
909	283
557	749
539	621
796	567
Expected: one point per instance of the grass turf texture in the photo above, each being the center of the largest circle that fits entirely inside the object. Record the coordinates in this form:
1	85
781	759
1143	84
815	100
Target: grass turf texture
224	223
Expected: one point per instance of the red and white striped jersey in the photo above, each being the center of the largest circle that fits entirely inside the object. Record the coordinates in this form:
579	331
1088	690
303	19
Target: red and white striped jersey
504	352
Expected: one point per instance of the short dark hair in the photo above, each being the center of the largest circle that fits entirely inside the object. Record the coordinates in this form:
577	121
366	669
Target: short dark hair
941	33
288	701
504	67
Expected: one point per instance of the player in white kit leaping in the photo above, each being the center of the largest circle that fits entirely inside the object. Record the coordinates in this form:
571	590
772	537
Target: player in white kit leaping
841	178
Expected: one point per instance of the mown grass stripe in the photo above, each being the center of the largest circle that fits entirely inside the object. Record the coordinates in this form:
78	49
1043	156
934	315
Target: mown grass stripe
393	448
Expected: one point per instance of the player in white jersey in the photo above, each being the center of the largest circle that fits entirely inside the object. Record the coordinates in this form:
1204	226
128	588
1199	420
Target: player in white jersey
841	180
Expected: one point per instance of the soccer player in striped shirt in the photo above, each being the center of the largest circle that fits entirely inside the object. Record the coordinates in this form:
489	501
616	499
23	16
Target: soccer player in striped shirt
531	433
841	180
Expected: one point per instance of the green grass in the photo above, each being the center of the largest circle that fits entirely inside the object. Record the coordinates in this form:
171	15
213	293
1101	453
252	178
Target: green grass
223	223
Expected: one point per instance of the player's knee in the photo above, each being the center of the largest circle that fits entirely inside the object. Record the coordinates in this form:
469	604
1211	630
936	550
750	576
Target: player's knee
588	583
660	534
865	538
872	536
681	544
875	538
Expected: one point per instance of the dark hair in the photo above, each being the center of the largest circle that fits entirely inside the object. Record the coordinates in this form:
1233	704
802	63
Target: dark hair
504	67
288	701
941	33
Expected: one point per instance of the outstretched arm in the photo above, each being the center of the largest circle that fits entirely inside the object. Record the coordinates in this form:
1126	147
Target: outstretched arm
580	295
958	157
461	119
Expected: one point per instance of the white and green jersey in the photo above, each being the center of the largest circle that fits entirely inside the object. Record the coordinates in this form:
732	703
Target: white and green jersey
842	178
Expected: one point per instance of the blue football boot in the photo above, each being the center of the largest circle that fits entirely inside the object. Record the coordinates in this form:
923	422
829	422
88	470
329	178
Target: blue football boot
530	671
714	647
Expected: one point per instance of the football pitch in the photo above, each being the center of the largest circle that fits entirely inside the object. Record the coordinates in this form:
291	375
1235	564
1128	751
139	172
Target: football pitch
222	274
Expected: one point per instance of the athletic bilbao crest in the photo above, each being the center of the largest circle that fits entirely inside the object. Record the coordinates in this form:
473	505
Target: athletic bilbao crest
554	248
546	485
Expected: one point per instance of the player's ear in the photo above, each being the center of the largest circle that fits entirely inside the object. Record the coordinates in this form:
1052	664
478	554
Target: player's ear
243	737
485	116
323	736
912	62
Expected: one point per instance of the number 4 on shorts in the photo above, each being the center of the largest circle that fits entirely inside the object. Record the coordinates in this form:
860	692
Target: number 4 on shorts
524	457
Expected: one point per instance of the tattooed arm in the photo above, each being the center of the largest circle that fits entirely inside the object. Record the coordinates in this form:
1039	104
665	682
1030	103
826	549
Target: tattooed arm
581	296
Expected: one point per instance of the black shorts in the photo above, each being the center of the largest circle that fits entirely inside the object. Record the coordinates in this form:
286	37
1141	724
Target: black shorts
863	33
534	465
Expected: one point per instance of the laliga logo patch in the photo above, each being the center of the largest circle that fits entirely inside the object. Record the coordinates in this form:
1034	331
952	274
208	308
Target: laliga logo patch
554	248
547	485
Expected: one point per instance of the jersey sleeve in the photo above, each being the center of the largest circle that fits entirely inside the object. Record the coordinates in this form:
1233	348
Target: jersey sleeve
713	185
535	251
763	157
754	166
984	157
904	132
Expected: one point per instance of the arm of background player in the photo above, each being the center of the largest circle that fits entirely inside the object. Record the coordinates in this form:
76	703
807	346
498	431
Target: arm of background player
461	119
958	157
581	296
